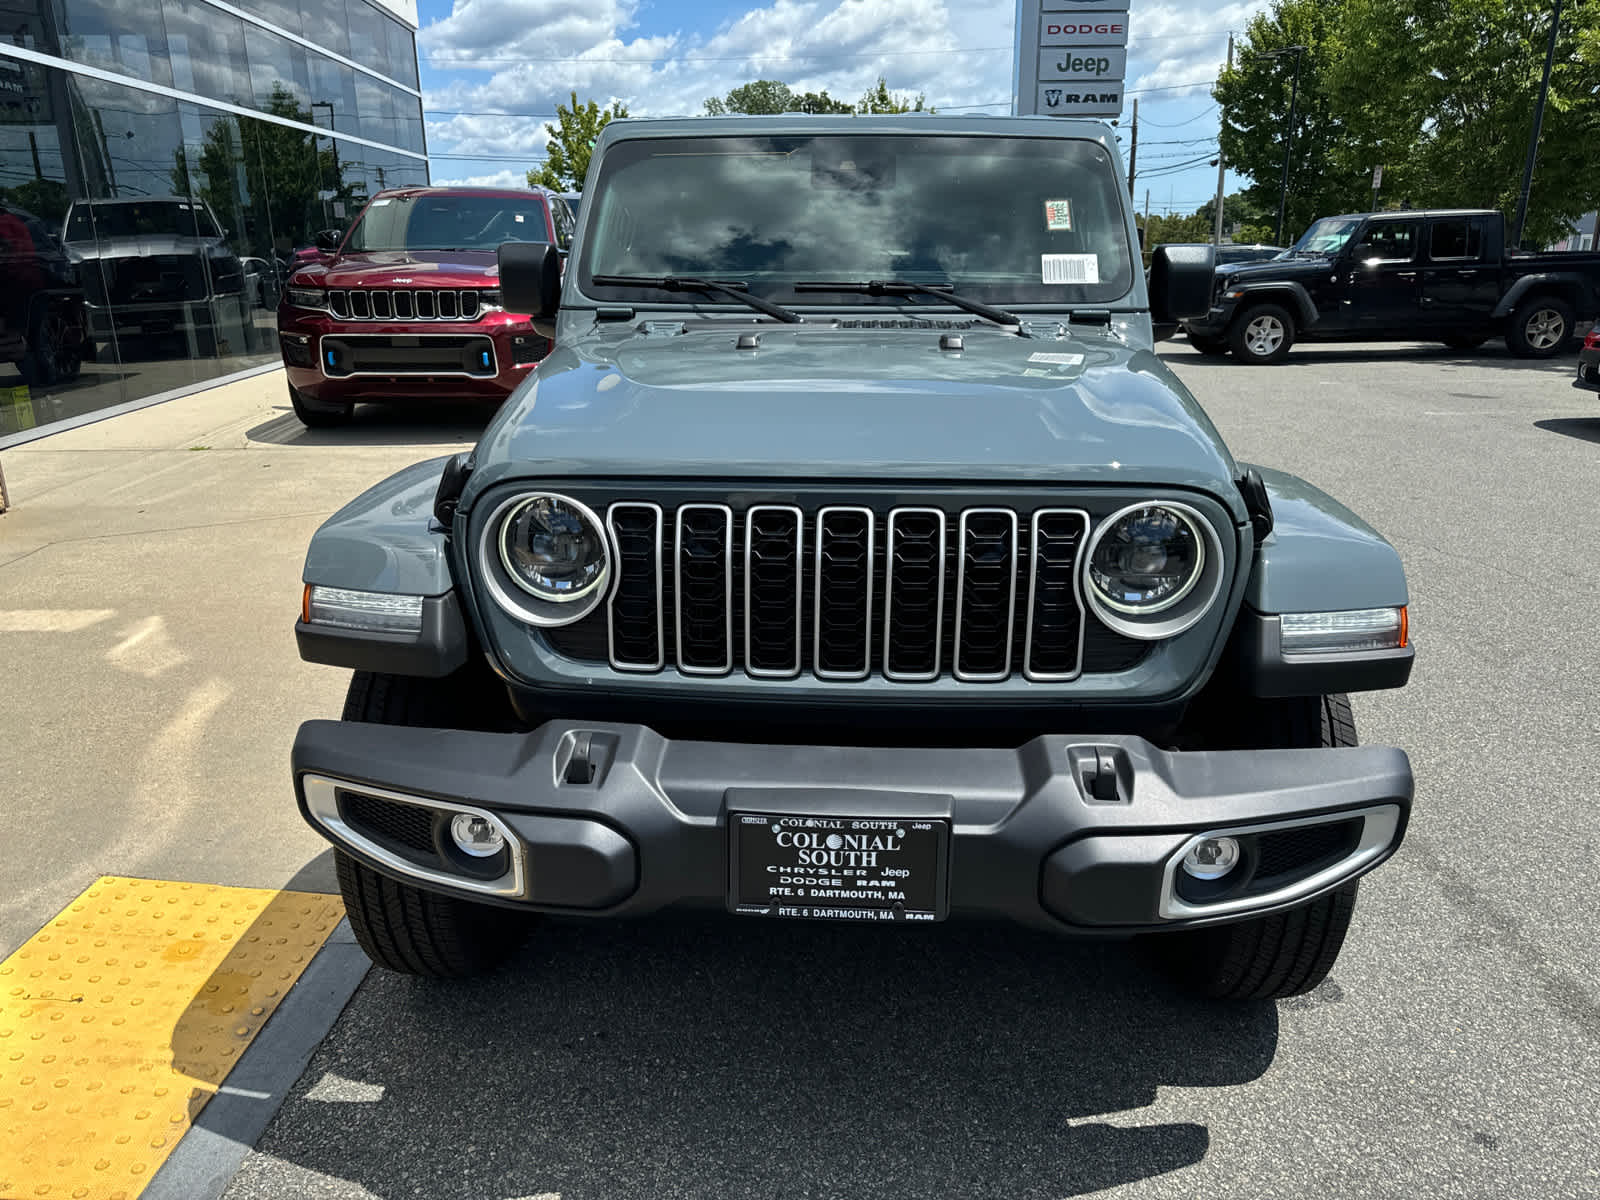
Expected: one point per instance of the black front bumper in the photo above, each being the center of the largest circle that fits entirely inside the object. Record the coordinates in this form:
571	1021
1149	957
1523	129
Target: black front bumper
1077	834
1589	369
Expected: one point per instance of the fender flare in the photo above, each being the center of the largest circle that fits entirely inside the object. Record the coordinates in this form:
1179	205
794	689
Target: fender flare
1553	280
1300	299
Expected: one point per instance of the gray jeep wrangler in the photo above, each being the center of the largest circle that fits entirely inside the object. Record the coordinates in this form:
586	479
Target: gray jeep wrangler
853	558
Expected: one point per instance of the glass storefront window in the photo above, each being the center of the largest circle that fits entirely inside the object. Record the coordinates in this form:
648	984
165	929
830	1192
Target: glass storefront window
207	50
323	22
333	95
402	63
369	44
279	77
115	37
285	14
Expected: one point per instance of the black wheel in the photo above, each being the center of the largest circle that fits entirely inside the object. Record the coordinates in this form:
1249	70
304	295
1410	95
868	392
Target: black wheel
316	415
1212	347
1540	327
53	356
1262	334
1286	953
401	927
1465	341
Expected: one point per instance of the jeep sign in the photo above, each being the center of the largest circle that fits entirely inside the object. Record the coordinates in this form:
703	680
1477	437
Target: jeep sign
1072	57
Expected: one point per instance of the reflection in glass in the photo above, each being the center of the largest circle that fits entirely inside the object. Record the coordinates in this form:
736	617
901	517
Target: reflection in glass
369	44
206	46
402	54
277	65
115	36
324	22
285	14
429	222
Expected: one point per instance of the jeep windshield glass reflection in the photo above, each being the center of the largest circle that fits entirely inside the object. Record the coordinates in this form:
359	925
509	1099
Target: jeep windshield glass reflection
447	223
1003	220
1327	236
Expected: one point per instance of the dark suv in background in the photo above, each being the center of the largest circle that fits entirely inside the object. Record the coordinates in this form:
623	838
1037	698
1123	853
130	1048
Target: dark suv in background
407	304
43	321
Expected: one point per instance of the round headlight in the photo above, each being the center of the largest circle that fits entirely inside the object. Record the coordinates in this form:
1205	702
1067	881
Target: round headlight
1147	560
554	548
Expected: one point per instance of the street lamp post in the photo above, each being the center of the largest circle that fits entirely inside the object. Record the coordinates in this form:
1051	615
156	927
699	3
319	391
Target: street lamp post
1288	133
1538	124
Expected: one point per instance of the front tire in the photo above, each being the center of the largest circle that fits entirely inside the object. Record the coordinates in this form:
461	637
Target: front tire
1262	334
315	415
1540	328
401	927
1286	953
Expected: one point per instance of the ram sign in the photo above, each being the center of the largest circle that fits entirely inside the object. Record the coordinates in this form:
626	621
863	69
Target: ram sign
1072	57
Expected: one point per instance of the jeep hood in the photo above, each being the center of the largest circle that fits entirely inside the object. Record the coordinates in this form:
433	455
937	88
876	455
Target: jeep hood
418	268
859	404
148	245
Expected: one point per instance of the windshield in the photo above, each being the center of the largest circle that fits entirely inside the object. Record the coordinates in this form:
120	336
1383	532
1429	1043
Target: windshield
142	218
1327	236
448	223
1002	220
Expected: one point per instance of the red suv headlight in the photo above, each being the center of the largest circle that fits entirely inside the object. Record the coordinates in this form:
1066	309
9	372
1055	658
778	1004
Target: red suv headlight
1592	342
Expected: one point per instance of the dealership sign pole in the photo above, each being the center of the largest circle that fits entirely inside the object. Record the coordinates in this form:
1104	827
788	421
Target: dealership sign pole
1072	57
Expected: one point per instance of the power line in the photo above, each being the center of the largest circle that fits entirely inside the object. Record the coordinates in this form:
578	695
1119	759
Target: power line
1186	121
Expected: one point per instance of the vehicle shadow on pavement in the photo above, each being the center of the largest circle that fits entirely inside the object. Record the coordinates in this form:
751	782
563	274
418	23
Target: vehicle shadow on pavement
1585	429
382	425
1492	357
699	1056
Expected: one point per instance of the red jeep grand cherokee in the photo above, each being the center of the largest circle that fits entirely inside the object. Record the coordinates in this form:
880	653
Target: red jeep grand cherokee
408	304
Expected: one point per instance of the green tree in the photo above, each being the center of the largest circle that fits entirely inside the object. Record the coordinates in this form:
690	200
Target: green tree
1254	94
759	97
572	141
1449	112
880	99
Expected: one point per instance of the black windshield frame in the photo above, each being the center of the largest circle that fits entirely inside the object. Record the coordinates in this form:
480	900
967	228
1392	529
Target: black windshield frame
981	176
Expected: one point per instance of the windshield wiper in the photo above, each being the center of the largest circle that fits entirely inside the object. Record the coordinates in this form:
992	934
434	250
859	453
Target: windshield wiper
682	283
897	287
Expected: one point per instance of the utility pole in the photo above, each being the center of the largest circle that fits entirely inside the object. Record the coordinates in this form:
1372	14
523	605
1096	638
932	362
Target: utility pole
1133	150
1538	124
1216	228
1288	143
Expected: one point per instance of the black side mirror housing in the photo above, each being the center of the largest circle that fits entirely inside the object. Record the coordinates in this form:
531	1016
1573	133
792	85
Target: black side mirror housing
1360	253
328	239
1181	279
530	282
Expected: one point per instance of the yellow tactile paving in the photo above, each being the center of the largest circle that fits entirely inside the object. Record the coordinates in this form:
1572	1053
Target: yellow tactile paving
121	1017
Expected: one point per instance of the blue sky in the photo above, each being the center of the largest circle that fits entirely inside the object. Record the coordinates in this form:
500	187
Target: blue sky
494	70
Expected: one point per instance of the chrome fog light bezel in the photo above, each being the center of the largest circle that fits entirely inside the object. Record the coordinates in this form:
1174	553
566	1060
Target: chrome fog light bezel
1380	824
322	804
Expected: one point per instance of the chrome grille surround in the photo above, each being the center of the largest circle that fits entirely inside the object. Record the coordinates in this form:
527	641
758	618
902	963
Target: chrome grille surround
892	567
1035	553
409	304
818	647
621	555
752	517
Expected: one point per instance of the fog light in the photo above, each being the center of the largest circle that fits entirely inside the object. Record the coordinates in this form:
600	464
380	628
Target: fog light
476	836
1209	858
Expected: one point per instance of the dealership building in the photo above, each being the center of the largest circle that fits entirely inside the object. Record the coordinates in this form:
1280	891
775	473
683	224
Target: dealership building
161	163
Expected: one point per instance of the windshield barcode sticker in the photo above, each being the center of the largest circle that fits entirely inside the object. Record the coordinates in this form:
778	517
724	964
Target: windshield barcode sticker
1070	268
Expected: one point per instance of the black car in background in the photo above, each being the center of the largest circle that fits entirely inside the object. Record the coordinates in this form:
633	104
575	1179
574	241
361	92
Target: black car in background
43	319
1444	275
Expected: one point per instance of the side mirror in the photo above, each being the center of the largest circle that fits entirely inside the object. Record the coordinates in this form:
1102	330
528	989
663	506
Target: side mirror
328	239
1361	252
530	282
1181	278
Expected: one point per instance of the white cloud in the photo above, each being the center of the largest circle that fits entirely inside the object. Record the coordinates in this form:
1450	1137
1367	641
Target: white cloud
507	179
498	55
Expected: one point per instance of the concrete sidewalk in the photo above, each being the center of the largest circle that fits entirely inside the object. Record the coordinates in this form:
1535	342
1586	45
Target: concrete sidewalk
149	580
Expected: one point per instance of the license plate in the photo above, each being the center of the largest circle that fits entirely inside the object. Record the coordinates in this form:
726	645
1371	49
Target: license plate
839	868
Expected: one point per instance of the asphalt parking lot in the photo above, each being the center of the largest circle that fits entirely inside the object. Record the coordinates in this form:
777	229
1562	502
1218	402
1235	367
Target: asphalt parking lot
1454	1052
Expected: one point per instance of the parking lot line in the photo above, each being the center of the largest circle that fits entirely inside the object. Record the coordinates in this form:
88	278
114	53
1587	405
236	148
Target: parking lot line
123	1016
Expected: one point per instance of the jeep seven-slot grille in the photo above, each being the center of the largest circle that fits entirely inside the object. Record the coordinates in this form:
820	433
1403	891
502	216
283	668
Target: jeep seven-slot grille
410	304
843	592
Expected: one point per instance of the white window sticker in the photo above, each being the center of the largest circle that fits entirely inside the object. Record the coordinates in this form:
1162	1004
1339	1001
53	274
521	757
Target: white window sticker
1059	360
380	203
1070	268
1057	215
518	217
